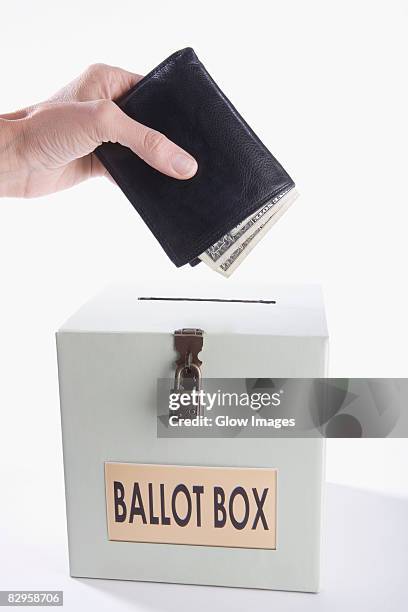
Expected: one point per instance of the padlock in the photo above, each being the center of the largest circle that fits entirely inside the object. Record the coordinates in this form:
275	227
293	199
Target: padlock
188	342
187	394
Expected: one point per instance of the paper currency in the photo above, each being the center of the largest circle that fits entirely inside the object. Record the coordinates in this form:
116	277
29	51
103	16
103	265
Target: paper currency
227	253
240	253
221	250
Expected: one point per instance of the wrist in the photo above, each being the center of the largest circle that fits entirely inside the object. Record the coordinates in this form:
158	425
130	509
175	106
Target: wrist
11	158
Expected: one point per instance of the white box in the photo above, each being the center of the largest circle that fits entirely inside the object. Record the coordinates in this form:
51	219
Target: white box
110	355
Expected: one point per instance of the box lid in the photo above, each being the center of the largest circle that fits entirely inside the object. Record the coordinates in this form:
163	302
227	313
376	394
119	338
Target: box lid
280	310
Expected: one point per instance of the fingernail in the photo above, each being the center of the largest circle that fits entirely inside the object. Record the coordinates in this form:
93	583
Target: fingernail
184	165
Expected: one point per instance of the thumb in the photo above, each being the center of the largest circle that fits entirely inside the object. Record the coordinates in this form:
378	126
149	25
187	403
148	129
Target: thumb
113	125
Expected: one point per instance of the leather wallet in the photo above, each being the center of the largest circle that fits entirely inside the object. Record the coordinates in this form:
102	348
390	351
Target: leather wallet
236	172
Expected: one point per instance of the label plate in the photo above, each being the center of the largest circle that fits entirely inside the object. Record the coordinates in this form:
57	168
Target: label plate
198	505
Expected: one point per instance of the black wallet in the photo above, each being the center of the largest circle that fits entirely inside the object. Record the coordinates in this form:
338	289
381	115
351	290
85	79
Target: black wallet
236	172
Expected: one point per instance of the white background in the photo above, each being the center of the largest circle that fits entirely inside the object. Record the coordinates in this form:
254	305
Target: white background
323	84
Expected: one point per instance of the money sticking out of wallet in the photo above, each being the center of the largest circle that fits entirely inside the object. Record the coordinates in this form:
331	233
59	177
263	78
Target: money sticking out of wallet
228	253
240	190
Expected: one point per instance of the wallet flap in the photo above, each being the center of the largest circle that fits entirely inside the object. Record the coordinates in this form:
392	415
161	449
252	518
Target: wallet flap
236	172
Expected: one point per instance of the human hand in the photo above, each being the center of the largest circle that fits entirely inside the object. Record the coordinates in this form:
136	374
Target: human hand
49	146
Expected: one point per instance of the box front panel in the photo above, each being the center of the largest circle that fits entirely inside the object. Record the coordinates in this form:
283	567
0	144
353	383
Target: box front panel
108	401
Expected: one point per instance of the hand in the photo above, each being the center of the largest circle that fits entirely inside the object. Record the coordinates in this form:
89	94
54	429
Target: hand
49	146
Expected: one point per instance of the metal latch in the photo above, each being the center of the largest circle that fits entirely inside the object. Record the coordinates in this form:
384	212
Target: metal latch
188	342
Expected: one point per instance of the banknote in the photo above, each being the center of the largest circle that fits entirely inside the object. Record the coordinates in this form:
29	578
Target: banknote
243	250
220	251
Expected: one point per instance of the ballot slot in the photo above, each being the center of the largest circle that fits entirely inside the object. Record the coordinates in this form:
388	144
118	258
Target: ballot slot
218	300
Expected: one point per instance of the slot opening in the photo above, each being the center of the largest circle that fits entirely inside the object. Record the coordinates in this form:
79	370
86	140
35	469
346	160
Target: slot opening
186	299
